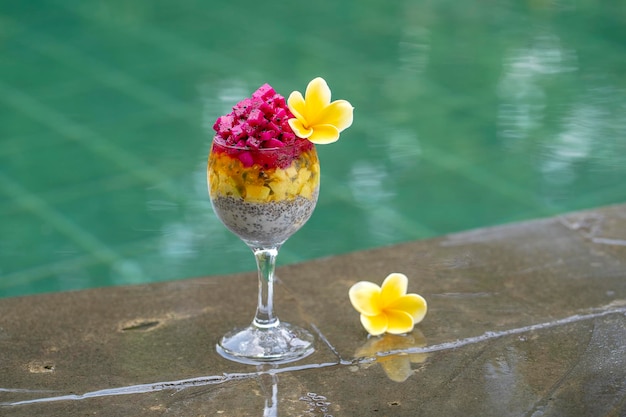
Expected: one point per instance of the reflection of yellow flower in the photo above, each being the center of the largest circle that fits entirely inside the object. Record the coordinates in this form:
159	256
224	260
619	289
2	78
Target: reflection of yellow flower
316	118
397	366
388	308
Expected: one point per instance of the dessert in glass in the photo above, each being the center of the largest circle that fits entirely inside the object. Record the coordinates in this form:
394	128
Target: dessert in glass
263	178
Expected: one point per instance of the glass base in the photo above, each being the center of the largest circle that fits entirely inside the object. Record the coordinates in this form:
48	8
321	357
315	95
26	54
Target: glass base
254	345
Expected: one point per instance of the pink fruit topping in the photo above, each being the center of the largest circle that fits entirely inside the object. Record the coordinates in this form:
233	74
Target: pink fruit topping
259	122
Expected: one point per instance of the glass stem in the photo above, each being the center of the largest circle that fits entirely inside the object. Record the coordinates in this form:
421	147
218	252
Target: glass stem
266	263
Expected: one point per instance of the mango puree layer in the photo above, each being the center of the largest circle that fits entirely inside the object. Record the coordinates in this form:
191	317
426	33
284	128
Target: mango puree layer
228	177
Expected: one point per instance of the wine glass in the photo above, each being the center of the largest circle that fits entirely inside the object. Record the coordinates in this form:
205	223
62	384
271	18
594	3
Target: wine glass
264	195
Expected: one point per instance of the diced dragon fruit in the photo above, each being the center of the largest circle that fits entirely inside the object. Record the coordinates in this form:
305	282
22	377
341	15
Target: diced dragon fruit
246	159
264	92
267	135
260	121
279	101
237	132
267	109
284	125
256	118
279	116
273	143
253	142
288	138
223	124
273	126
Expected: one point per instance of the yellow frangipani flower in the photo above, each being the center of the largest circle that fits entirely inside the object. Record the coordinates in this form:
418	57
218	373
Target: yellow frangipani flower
316	118
387	309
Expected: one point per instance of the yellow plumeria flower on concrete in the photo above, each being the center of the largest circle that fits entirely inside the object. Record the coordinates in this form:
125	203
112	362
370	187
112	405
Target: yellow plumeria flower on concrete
316	117
388	308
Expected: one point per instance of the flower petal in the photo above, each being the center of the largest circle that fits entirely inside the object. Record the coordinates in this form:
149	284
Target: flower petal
299	129
414	304
365	298
296	105
316	97
394	287
375	325
324	134
399	322
338	113
397	367
418	357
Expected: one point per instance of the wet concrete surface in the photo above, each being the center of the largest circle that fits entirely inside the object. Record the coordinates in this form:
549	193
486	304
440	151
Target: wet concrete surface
527	319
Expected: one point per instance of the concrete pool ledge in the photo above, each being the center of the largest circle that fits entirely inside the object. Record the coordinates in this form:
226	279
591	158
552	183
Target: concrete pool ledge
527	319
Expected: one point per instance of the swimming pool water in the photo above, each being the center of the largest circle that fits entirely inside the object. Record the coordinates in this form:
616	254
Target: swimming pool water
467	114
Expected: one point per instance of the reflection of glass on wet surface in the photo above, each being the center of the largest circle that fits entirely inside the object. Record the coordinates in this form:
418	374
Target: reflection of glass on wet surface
269	386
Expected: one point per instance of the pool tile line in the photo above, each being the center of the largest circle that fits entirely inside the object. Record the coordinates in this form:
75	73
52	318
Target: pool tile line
64	225
399	221
185	48
601	196
166	41
26	143
126	251
83	136
111	77
452	163
76	192
41	272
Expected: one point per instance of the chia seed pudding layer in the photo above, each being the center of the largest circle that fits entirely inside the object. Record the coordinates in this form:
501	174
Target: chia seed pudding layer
269	223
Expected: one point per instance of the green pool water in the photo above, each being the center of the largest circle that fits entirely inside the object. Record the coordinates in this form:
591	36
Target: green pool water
467	114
